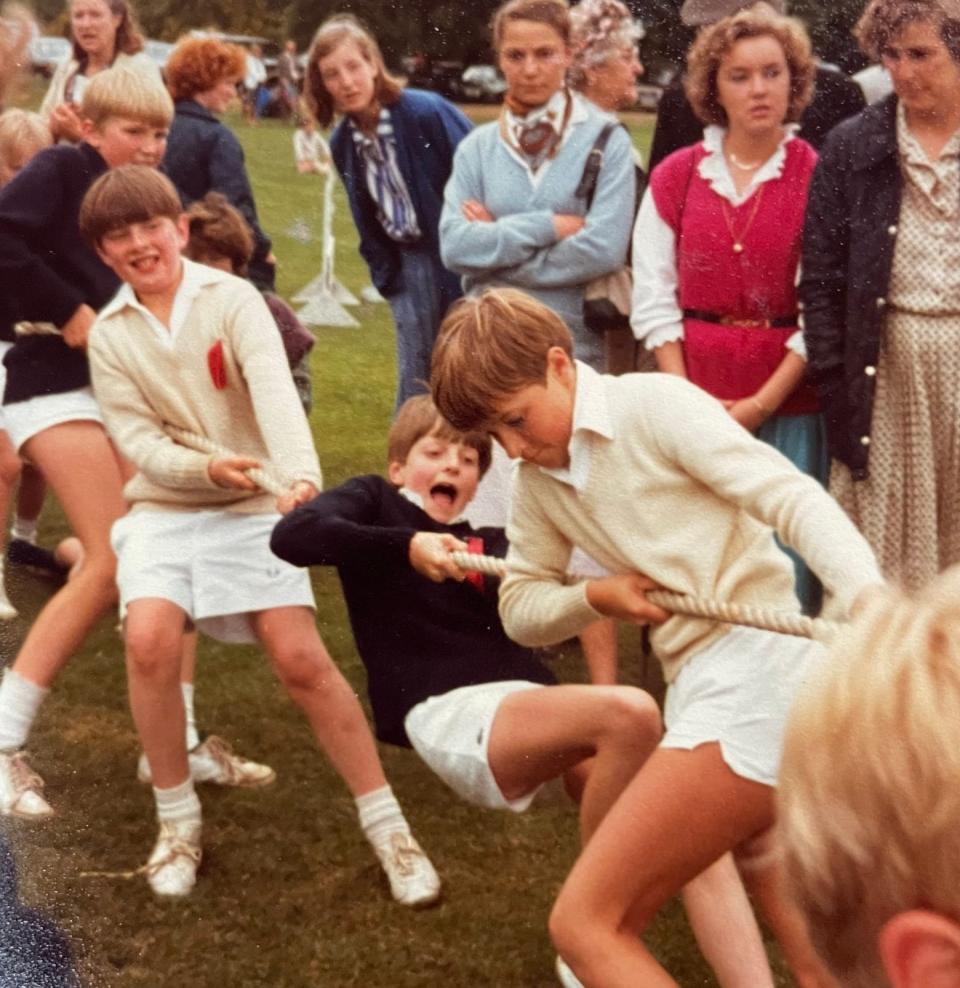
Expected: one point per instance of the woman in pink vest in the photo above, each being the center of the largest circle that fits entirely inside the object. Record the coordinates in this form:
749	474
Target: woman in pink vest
717	241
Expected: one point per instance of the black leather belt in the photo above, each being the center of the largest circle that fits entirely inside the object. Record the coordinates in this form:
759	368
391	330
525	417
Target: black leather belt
780	322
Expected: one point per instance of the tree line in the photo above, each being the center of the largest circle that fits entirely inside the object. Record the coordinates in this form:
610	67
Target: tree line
443	29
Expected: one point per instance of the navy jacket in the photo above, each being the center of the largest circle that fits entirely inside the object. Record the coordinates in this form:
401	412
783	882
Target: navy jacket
204	155
417	638
428	130
47	269
848	245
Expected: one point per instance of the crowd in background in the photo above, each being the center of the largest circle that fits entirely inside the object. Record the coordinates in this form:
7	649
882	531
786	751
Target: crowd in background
791	248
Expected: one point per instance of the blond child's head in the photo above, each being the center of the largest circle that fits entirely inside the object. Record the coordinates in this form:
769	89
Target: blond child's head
491	346
22	135
428	456
869	816
130	93
219	235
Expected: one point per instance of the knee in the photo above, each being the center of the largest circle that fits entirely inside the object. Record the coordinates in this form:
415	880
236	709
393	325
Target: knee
10	467
302	666
153	651
632	717
99	574
569	933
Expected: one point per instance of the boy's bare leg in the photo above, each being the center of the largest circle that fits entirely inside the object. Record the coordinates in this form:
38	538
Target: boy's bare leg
682	811
725	927
540	734
599	644
764	882
78	463
316	685
31	493
153	631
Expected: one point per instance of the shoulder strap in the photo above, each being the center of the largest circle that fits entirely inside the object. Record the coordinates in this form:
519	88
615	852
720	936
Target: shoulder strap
591	170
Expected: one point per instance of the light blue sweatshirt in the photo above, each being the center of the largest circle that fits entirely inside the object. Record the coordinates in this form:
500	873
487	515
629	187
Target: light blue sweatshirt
520	248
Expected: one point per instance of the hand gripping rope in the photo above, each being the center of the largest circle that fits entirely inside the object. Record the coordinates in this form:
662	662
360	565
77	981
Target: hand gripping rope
748	615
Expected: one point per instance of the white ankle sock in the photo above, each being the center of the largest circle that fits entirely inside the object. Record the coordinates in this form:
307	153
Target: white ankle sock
380	815
193	738
179	804
24	529
20	700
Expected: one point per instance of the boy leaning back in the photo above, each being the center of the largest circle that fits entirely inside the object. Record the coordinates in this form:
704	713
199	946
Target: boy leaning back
651	478
190	346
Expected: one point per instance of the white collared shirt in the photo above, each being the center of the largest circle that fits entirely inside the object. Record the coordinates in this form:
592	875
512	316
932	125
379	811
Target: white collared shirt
591	424
194	279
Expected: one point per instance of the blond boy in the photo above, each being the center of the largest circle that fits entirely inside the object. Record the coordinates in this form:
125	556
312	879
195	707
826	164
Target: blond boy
869	801
650	477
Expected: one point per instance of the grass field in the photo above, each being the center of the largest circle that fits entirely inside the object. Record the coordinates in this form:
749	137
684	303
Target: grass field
289	894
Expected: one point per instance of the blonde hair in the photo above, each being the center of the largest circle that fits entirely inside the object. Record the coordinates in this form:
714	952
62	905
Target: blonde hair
122	91
22	135
418	417
714	43
330	35
869	797
492	345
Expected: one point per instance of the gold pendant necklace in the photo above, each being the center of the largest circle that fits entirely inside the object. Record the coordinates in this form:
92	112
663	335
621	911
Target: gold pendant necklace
738	238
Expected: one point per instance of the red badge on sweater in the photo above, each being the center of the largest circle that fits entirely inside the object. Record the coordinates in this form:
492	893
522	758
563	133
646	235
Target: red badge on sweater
475	545
218	373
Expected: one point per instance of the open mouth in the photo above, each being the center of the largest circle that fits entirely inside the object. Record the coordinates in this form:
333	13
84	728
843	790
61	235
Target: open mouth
444	494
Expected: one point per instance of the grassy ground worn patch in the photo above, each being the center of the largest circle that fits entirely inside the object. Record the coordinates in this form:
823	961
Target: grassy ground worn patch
289	895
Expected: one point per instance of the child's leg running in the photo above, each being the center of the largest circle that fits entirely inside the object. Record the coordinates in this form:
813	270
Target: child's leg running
682	812
78	463
725	927
153	632
539	734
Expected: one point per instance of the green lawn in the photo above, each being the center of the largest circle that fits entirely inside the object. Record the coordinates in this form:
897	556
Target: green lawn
289	894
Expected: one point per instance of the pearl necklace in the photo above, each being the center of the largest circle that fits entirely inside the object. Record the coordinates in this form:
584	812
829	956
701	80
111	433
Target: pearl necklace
743	165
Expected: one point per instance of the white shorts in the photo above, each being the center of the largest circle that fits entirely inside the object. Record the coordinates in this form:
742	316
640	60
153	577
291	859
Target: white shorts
451	733
4	349
739	691
215	565
25	419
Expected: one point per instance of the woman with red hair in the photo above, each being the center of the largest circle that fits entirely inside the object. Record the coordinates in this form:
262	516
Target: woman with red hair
203	154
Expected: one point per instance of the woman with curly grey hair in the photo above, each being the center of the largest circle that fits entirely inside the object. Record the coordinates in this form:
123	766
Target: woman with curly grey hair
881	292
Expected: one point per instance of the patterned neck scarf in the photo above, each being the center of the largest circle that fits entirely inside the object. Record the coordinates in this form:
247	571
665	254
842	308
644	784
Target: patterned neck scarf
537	134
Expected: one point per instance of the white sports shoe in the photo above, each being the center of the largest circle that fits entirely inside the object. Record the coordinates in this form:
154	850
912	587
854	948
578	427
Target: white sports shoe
213	760
413	880
567	978
171	869
20	788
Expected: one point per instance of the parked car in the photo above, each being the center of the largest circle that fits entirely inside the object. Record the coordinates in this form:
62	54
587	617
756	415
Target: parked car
482	84
47	53
648	97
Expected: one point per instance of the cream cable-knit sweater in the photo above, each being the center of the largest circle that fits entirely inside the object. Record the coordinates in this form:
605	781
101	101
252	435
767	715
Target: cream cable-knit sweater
144	378
675	489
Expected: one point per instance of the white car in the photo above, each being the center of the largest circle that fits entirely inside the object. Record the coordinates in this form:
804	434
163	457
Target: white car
482	84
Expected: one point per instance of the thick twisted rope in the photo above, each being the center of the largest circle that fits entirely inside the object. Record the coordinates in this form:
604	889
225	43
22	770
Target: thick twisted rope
266	479
749	615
